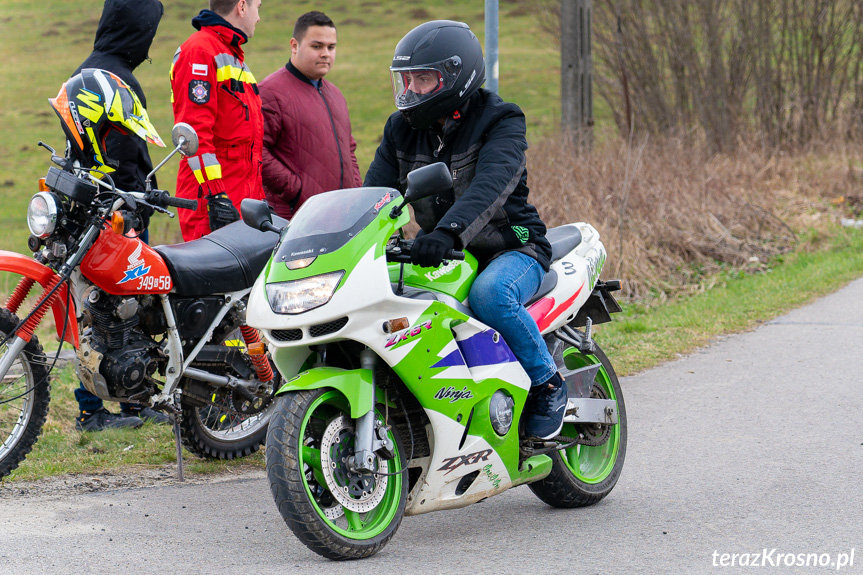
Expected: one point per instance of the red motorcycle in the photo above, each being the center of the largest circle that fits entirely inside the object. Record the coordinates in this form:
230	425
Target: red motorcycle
162	326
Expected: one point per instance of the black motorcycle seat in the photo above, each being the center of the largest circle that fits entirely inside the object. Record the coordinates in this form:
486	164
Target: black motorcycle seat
229	259
563	240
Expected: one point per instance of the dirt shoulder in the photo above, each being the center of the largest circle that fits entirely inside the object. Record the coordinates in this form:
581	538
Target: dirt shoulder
127	478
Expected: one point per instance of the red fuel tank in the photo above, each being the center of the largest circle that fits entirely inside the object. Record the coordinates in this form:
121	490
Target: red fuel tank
125	266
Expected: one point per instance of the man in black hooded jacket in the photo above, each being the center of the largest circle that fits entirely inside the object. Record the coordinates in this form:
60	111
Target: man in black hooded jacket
123	39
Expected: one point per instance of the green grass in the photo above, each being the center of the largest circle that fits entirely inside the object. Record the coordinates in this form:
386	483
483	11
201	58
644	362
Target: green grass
62	450
643	337
43	42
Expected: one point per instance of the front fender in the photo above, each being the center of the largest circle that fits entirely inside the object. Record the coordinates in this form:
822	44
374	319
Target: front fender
17	264
354	384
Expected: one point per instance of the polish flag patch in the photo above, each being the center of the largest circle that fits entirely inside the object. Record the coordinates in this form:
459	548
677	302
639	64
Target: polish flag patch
199	69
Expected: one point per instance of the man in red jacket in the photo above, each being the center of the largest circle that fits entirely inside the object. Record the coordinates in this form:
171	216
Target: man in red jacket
214	91
308	147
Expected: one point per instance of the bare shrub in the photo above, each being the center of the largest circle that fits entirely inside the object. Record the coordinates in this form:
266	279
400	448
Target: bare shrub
790	70
672	214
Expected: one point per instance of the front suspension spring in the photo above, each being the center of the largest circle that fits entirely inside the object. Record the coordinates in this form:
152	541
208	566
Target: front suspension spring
40	309
21	291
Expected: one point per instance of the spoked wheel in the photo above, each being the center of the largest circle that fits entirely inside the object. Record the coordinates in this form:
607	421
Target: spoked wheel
24	396
333	510
584	474
230	425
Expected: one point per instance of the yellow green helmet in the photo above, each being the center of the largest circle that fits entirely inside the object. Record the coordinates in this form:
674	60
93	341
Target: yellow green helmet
93	103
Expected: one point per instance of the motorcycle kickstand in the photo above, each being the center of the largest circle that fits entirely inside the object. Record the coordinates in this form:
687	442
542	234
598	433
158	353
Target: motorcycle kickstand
176	416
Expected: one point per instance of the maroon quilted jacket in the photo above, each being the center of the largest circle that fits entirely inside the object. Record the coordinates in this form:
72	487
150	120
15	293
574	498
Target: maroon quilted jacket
308	146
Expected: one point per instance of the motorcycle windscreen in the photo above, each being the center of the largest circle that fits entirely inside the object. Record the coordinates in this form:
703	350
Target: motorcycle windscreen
327	221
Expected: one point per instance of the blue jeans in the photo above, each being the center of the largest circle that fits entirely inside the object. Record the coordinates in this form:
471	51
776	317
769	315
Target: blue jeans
497	298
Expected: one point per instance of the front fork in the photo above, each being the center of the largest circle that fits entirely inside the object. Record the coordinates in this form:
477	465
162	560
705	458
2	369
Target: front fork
371	438
24	333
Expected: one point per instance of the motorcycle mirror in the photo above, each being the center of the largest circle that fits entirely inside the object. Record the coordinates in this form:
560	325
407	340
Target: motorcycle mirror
256	214
185	141
424	182
428	181
185	138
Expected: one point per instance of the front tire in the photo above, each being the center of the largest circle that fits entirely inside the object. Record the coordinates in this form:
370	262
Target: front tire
306	428
583	475
24	395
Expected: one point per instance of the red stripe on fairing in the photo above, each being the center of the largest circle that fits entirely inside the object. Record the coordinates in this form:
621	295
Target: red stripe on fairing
540	308
548	318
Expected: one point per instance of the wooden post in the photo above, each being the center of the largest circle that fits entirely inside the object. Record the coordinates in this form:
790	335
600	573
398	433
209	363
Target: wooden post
576	71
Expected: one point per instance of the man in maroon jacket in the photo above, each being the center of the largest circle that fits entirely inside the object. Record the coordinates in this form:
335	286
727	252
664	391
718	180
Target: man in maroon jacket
308	147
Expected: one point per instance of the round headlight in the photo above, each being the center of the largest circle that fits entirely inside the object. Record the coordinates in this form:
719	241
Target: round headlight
500	412
42	214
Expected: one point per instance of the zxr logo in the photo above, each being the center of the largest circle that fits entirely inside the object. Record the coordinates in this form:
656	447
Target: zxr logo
451	463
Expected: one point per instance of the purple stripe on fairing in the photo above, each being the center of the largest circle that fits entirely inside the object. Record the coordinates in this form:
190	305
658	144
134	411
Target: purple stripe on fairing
480	349
452	360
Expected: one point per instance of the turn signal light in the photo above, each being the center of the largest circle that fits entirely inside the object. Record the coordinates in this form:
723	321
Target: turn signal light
43	187
395	325
257	348
118	223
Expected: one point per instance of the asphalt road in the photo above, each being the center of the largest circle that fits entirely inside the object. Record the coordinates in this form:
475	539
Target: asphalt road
751	445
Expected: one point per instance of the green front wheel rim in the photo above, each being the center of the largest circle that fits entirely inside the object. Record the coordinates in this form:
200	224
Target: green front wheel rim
591	464
354	525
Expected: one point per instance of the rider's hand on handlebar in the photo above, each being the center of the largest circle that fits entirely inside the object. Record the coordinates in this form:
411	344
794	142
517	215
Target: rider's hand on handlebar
429	250
221	211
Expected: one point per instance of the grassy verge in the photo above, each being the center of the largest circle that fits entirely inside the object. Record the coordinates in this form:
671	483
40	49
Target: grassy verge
641	337
62	450
645	336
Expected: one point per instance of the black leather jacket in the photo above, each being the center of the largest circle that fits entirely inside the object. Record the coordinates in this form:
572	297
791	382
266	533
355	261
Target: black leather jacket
487	209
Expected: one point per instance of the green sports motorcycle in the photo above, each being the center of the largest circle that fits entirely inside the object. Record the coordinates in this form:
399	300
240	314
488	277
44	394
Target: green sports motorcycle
405	403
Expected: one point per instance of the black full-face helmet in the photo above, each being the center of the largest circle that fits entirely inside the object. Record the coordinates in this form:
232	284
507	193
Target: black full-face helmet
90	105
437	66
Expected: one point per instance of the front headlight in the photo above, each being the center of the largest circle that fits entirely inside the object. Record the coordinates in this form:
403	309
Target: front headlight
303	295
42	214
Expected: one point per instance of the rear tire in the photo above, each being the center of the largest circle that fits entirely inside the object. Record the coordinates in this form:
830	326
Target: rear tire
25	392
218	431
302	422
583	475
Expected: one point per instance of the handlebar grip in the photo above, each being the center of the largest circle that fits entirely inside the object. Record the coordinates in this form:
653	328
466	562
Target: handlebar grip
454	255
180	202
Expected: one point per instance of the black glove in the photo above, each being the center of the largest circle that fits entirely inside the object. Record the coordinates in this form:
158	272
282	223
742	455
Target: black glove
428	250
221	211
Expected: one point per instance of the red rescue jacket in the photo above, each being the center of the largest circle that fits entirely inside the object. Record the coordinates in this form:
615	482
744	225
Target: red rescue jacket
214	91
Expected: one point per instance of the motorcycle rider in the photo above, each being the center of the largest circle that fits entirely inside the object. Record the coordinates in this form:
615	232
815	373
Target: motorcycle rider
123	39
444	116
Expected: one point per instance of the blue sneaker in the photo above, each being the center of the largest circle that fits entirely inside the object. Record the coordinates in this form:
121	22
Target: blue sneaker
546	407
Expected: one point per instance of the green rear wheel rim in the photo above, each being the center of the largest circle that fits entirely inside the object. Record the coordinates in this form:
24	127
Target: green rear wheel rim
591	464
355	525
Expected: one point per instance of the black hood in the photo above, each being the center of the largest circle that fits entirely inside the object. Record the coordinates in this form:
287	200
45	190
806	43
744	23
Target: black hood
127	28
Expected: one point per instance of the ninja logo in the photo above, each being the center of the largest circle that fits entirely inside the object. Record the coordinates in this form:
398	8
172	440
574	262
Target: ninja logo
452	463
453	394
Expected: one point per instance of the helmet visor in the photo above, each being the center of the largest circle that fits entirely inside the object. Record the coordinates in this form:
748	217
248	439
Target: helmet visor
415	85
